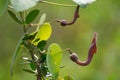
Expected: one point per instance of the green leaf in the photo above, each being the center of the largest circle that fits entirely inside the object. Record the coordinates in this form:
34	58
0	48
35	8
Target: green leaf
29	71
31	16
42	19
33	66
3	6
44	33
67	78
22	5
18	50
29	36
43	57
54	57
14	16
41	44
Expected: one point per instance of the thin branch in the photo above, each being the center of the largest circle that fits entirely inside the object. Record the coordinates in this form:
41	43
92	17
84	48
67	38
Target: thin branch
57	4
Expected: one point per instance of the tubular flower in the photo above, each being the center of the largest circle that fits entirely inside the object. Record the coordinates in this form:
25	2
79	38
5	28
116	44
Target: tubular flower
65	23
91	52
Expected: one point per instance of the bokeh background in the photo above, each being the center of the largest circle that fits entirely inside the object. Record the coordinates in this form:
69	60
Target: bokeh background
103	17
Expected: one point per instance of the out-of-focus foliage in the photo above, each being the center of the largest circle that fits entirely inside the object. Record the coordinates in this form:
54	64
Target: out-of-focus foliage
102	16
18	50
54	57
3	6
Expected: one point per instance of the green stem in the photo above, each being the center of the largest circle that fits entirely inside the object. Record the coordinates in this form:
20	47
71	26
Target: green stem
22	15
53	3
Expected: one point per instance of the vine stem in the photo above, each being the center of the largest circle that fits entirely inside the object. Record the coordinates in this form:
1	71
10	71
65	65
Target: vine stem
58	4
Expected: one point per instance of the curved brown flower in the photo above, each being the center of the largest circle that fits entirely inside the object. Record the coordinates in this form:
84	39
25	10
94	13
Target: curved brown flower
65	23
91	52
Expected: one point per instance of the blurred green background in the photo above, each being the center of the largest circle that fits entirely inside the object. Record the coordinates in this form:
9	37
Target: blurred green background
103	17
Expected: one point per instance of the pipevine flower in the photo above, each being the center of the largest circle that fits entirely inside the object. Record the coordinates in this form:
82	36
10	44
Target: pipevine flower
65	23
91	52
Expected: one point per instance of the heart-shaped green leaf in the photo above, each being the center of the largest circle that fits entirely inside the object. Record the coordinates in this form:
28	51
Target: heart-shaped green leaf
54	56
22	5
43	33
